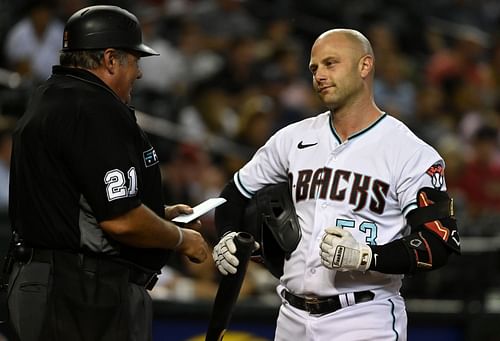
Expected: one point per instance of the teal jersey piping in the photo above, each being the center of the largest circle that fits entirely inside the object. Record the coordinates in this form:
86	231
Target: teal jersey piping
409	207
247	192
334	132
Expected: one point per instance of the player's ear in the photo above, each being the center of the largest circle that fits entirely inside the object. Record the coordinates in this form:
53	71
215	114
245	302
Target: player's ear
365	65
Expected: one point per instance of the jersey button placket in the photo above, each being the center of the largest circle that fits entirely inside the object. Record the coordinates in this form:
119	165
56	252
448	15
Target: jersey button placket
337	150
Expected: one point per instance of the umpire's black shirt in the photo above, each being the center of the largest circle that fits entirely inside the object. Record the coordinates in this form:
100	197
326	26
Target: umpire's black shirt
79	158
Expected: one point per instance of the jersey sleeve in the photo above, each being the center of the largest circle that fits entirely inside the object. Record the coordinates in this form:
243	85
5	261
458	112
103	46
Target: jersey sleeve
269	165
105	160
422	168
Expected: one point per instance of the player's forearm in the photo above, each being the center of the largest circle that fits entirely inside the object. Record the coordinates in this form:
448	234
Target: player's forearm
395	257
390	258
141	227
230	215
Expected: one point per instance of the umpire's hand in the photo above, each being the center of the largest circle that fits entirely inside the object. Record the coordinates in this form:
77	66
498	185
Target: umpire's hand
193	246
176	210
191	242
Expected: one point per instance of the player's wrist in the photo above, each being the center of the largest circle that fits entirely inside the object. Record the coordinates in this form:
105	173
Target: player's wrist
226	232
365	257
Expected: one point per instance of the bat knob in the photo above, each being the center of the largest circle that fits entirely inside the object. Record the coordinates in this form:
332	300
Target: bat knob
244	238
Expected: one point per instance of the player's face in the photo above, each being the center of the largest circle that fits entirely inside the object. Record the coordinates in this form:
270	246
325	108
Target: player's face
334	66
128	72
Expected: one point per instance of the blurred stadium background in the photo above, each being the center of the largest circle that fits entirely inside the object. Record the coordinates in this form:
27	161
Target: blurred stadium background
231	72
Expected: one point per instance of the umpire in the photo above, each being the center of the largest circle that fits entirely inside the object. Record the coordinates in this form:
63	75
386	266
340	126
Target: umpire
91	231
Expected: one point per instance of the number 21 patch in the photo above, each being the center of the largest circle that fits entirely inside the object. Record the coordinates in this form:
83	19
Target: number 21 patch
116	184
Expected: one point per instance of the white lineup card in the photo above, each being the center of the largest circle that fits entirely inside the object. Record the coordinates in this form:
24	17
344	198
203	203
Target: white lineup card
199	210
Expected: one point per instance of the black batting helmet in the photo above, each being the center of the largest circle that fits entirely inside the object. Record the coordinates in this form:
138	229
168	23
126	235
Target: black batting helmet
101	27
271	218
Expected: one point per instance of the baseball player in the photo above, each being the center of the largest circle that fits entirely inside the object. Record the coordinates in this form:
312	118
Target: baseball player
370	198
91	229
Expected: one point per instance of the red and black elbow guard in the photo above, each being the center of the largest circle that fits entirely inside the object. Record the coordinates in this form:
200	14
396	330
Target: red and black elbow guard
434	214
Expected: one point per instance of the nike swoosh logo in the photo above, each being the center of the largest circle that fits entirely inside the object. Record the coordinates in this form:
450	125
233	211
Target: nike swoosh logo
302	146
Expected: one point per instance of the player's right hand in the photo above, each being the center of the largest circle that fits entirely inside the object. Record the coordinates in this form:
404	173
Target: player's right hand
223	254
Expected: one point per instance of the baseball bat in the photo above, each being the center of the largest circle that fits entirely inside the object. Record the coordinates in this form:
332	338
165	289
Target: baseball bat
229	289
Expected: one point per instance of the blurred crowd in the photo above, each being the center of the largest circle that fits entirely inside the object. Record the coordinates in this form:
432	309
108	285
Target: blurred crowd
232	72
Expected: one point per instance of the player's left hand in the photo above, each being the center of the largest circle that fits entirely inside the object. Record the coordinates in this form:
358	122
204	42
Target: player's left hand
340	251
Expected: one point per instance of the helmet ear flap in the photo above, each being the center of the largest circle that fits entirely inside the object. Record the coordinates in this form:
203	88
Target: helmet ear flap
270	217
283	222
273	255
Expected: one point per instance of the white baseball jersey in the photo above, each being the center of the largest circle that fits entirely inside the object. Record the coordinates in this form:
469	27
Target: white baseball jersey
366	184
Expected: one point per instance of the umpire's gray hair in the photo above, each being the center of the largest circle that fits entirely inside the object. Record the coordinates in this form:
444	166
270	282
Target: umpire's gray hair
87	59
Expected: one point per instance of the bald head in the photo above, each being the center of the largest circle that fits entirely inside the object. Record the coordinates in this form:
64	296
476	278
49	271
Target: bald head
359	42
345	44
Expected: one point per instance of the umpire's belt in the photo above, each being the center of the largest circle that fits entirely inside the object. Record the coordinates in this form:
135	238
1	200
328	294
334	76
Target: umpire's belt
143	277
325	305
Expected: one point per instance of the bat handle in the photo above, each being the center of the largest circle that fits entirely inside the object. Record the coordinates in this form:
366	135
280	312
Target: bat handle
244	242
229	289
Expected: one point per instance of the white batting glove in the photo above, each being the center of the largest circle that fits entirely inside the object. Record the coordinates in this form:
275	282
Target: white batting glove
340	251
223	254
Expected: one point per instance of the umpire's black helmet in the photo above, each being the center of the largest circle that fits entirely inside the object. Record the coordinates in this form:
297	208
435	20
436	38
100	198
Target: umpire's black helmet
103	26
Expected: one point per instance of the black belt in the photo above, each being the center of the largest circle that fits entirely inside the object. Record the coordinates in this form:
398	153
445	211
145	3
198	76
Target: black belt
142	278
323	305
137	275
